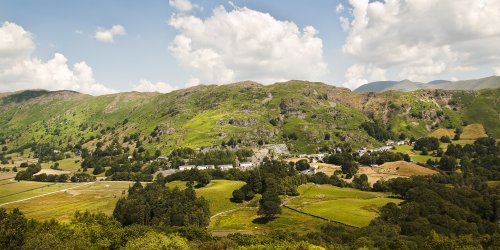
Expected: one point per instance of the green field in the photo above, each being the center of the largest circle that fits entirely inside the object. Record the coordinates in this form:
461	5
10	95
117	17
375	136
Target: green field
95	197
12	190
346	205
414	155
245	221
218	193
69	164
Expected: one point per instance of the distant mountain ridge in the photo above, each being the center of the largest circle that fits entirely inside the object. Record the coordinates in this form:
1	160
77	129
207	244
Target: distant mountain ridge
407	85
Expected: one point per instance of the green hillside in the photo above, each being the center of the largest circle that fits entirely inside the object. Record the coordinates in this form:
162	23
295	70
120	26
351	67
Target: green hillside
304	115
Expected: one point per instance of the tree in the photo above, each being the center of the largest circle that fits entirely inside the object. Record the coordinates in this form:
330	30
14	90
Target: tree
361	182
448	163
458	132
431	143
13	228
270	204
445	139
203	178
238	195
154	240
302	165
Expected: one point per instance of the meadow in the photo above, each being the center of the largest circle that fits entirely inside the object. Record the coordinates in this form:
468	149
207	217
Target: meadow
94	197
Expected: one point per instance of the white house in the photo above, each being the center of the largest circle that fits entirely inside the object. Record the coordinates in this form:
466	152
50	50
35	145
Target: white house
204	167
186	167
162	158
225	167
130	157
246	165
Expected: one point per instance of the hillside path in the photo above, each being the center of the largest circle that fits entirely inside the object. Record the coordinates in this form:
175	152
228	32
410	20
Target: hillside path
41	195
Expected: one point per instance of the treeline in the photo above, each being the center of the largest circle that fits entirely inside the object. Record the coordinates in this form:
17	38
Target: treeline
383	157
28	174
155	204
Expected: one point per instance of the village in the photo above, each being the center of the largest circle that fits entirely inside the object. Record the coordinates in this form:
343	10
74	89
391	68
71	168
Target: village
315	161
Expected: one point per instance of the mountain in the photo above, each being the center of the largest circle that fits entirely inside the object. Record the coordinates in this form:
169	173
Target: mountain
407	85
303	115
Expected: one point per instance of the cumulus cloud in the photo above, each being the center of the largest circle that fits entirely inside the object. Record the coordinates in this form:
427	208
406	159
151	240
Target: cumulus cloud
107	35
244	44
182	5
423	39
147	86
358	74
19	69
339	8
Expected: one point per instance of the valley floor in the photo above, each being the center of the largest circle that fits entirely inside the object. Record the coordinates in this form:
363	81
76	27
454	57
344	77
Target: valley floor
316	204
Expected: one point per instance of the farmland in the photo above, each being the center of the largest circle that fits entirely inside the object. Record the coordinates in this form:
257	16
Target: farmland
344	205
94	197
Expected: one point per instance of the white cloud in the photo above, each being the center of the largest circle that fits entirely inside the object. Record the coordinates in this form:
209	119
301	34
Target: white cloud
182	5
358	74
244	44
423	39
339	8
107	35
496	70
20	69
147	86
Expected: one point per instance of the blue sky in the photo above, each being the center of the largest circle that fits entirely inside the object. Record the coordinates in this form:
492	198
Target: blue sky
402	39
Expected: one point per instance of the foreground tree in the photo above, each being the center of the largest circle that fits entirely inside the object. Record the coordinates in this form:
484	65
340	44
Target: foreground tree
270	204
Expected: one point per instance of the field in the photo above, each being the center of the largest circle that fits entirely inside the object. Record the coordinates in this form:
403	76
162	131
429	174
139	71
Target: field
95	197
390	170
61	201
344	205
414	155
69	164
473	131
218	193
12	190
349	206
438	133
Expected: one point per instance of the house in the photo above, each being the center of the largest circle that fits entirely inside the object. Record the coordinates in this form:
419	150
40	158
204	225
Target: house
308	171
204	167
56	151
225	167
162	158
246	165
389	143
186	167
130	157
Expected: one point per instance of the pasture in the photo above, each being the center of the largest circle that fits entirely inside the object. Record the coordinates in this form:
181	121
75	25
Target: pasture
345	205
94	197
218	193
349	206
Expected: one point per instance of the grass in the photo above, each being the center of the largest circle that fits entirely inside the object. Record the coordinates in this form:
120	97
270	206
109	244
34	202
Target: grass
218	193
68	164
473	131
97	197
349	206
25	189
246	220
414	154
354	212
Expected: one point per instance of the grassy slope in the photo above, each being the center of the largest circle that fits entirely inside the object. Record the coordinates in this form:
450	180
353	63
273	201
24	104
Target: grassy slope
97	197
218	193
208	115
346	205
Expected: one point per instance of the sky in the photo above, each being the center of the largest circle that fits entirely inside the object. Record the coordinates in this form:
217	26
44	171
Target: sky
101	47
